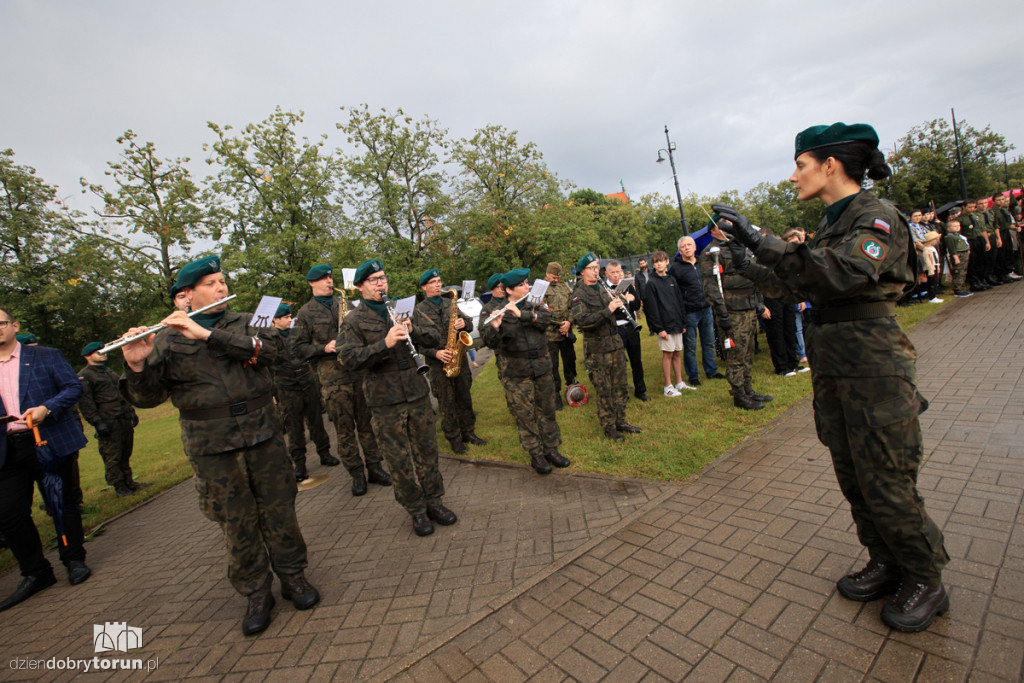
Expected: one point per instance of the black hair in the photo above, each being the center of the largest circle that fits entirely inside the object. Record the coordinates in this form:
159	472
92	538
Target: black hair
858	158
6	311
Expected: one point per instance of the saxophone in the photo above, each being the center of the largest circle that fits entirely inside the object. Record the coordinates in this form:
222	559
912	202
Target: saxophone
458	341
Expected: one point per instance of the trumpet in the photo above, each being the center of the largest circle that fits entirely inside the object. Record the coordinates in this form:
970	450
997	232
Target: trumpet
421	365
636	327
114	345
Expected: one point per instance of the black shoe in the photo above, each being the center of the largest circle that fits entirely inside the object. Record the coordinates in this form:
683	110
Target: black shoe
457	446
375	474
558	401
875	581
299	591
693	381
717	375
257	615
470	437
613	434
540	464
301	473
421	525
28	587
644	398
627	428
747	402
136	485
993	281
557	459
762	398
914	606
359	484
440	514
329	461
78	572
122	490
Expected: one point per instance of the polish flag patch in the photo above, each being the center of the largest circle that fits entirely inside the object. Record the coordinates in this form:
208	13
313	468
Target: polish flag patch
881	225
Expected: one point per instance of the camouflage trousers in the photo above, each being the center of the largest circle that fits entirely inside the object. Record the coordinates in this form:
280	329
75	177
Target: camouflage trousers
531	400
250	493
454	400
740	358
301	409
346	405
870	426
960	271
407	435
116	451
608	377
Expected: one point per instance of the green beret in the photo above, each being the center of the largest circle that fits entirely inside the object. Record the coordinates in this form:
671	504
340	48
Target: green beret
515	277
91	348
283	310
318	272
26	338
494	280
429	275
193	272
366	269
175	289
584	262
836	134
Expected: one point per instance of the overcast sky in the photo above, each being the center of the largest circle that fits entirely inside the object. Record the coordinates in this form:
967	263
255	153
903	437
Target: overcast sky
593	83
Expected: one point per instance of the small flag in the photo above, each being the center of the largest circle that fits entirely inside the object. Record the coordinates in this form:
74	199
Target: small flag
882	225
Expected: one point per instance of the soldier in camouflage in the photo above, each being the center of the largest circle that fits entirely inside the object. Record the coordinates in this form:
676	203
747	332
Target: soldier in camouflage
561	340
518	338
215	368
314	340
403	420
736	304
497	300
593	311
114	419
866	404
298	399
454	400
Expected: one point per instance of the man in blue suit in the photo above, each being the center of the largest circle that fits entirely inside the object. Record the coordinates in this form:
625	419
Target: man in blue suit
37	381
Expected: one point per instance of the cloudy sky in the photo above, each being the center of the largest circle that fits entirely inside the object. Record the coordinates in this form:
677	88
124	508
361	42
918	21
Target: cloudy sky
592	82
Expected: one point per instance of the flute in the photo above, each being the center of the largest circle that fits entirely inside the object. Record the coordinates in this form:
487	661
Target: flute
495	314
114	345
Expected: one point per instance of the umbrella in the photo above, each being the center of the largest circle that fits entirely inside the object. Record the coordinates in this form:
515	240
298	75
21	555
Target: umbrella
944	209
51	485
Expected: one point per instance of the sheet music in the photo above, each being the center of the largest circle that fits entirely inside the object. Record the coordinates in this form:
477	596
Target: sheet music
468	289
623	285
537	292
404	307
348	275
264	315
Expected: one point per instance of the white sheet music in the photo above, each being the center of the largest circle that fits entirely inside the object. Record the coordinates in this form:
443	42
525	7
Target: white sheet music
348	275
468	289
403	308
537	292
264	315
623	285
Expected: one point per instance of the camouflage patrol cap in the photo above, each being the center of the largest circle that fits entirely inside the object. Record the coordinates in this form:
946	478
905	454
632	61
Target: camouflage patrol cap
836	134
515	277
555	268
366	269
91	348
319	272
429	275
283	310
584	262
193	272
494	280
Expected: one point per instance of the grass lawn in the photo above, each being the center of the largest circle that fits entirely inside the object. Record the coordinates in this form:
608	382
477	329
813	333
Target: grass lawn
681	435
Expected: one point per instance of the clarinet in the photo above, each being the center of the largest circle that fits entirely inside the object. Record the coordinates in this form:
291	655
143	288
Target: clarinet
421	365
634	325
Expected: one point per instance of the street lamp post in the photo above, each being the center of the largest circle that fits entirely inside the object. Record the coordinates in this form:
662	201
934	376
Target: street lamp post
675	179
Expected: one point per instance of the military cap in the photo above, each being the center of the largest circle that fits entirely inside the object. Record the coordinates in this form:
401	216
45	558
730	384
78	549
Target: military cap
429	275
318	272
836	134
26	338
193	272
555	268
494	280
366	269
283	310
515	277
584	262
174	290
91	348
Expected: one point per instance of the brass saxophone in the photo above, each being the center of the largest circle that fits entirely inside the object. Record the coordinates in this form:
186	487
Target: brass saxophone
458	341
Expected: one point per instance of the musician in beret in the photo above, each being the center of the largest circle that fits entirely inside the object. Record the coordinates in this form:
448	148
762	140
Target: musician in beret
561	340
371	345
216	369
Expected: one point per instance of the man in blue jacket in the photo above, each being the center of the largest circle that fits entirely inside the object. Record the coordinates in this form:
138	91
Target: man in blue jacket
39	382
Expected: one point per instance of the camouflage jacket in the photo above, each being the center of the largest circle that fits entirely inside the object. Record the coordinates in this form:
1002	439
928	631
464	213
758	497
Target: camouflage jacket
492	305
521	341
388	375
290	373
212	376
559	299
589	312
315	326
439	317
740	294
101	399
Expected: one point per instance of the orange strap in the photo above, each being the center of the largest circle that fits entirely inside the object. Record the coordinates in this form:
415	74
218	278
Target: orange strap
35	430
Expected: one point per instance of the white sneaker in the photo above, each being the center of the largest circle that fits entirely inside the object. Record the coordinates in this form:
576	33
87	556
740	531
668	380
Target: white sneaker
671	391
682	386
803	369
935	300
791	373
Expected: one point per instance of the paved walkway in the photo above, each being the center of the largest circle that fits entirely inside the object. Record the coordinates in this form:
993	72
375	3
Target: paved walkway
730	577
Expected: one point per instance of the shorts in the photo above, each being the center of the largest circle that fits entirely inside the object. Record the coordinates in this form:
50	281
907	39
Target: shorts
673	343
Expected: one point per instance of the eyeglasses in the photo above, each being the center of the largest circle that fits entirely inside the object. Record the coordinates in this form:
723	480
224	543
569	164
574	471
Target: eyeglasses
592	266
5	323
377	279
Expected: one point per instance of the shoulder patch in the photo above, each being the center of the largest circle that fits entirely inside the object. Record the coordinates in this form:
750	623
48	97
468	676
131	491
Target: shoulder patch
879	224
873	249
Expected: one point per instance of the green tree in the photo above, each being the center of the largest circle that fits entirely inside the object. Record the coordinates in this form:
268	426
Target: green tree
587	196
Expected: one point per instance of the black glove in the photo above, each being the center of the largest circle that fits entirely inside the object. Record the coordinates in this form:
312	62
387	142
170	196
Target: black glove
103	429
740	227
135	419
740	256
725	324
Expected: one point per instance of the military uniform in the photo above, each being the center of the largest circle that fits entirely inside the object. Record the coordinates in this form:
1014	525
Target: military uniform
399	401
298	397
603	353
1002	220
104	408
956	245
315	326
454	400
559	298
232	436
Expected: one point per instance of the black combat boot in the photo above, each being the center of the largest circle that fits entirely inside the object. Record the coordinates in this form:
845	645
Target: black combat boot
301	473
359	483
470	437
875	581
761	398
299	591
627	428
557	459
122	489
440	514
421	524
558	401
375	474
613	434
540	463
747	402
914	606
257	615
329	460
457	446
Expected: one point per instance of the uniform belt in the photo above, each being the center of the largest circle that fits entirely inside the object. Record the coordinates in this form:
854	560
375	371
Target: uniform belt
531	354
842	314
232	410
